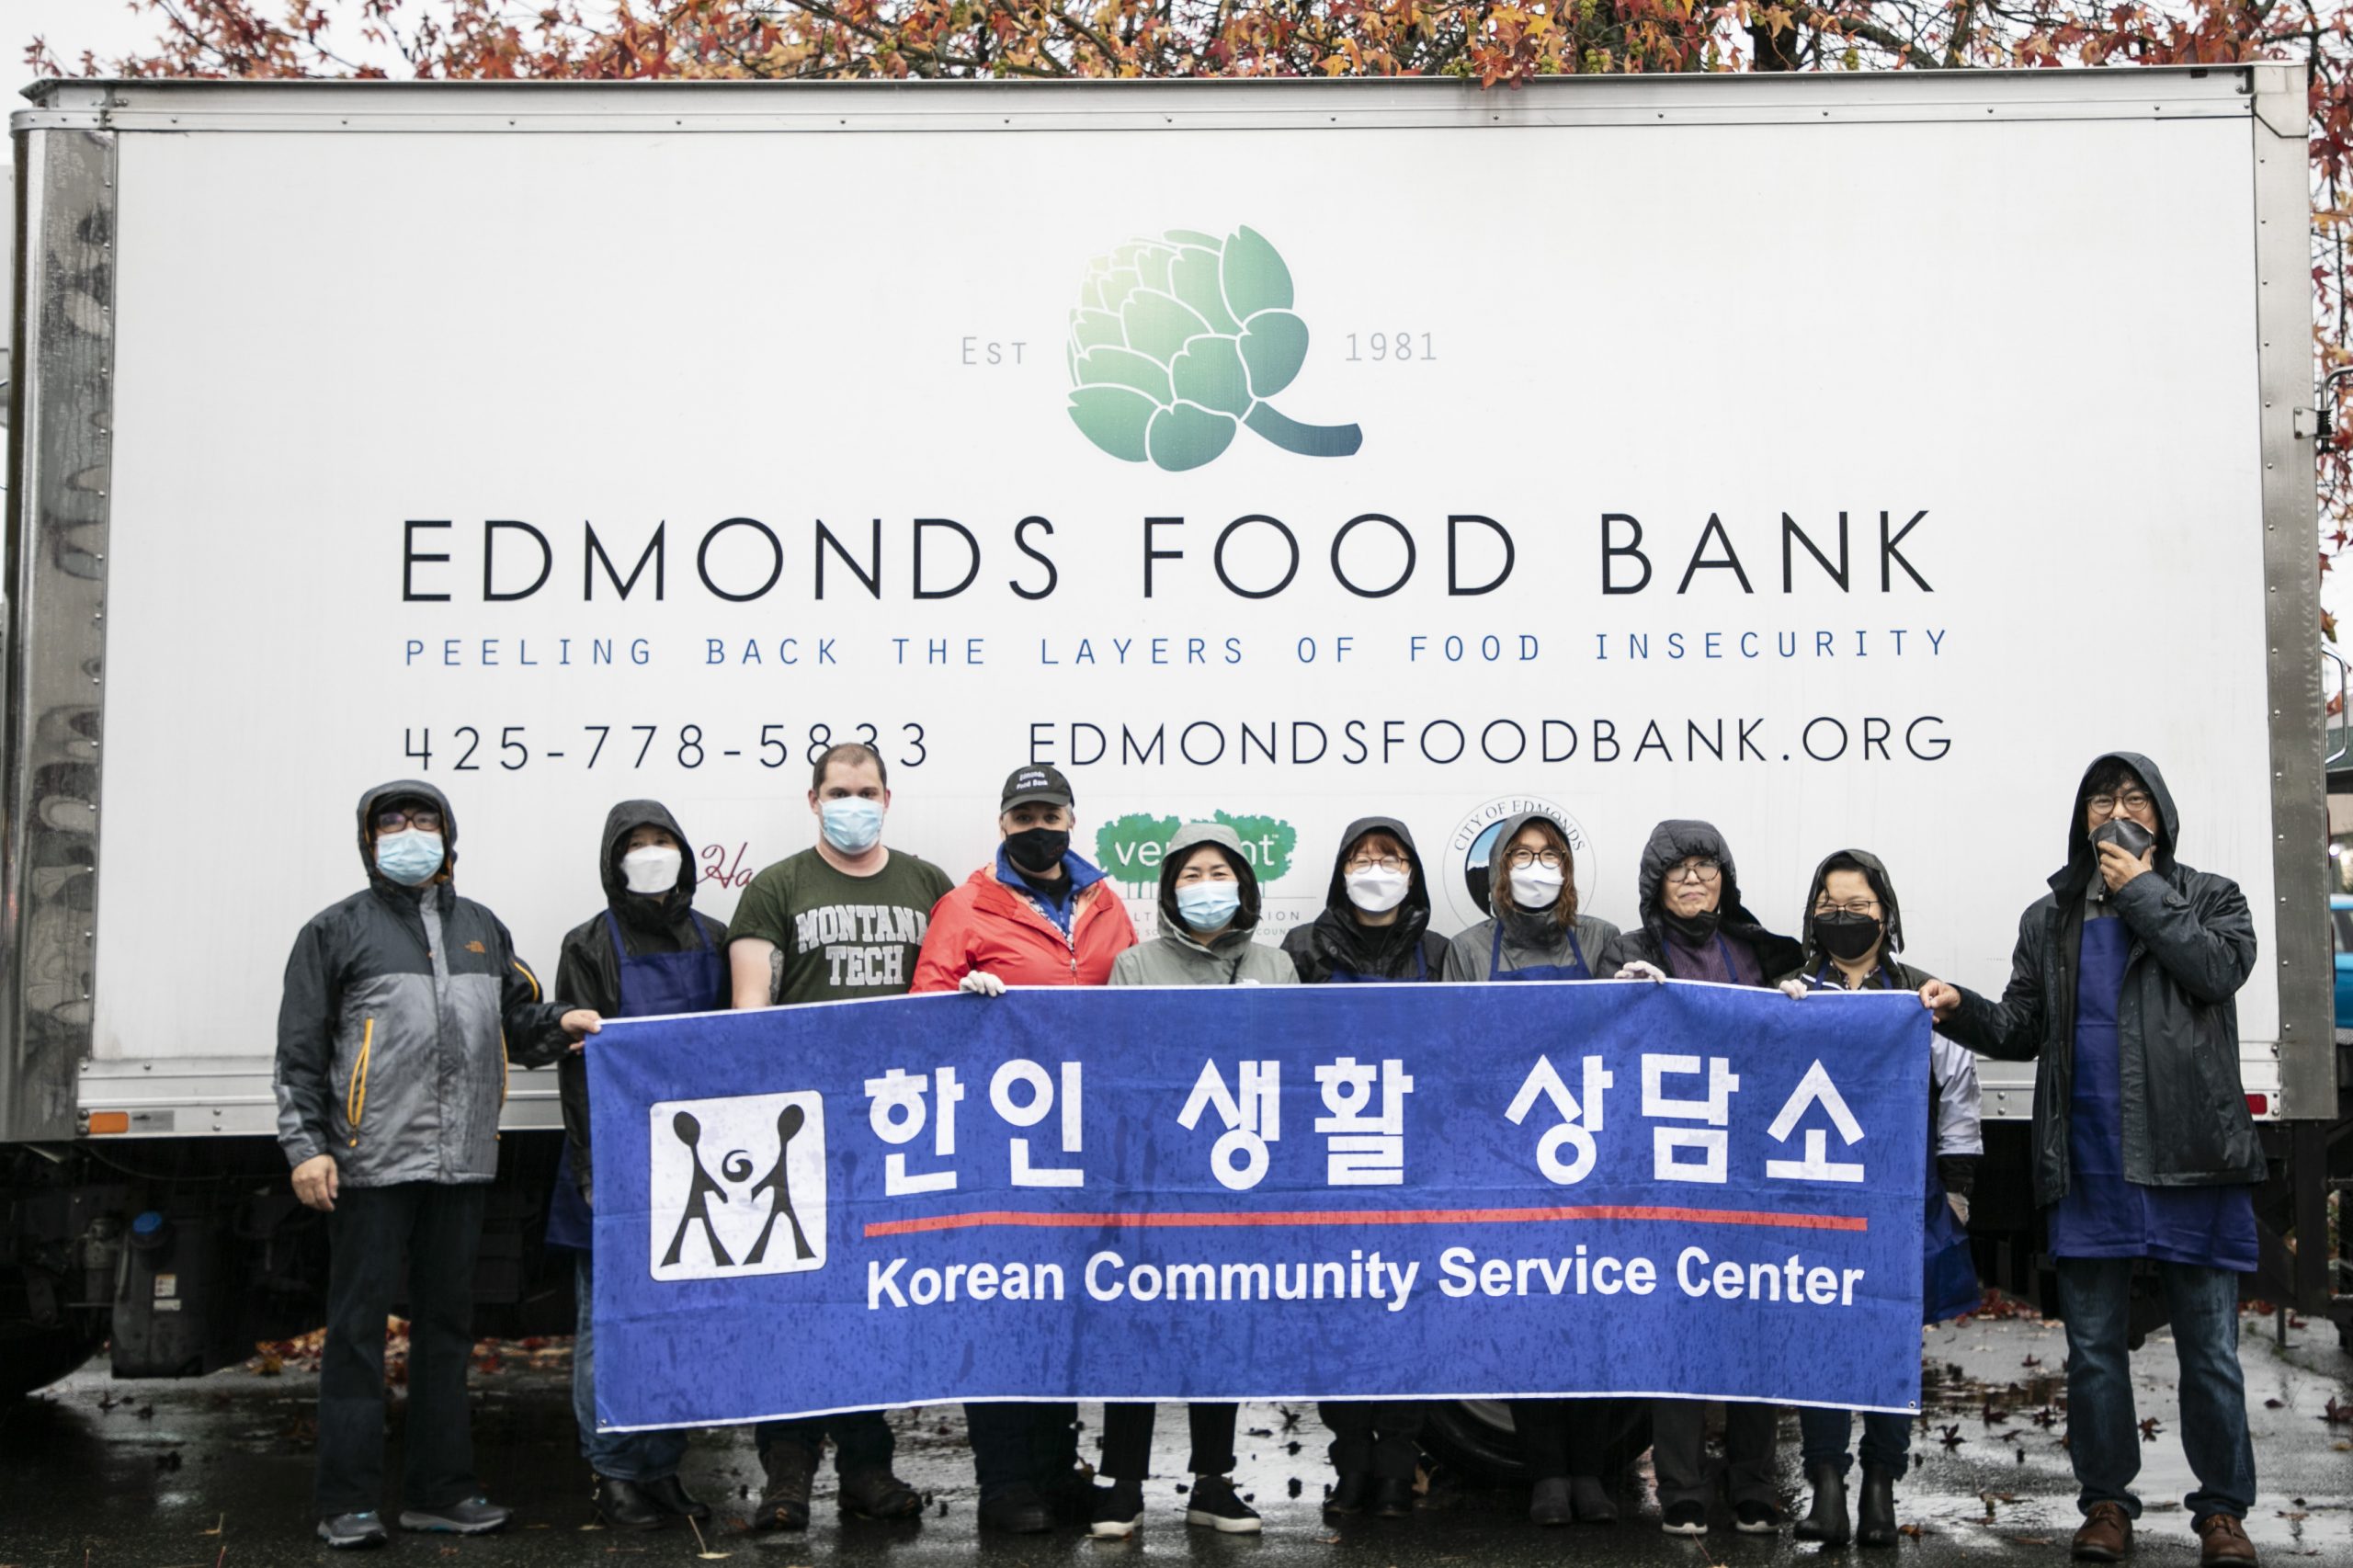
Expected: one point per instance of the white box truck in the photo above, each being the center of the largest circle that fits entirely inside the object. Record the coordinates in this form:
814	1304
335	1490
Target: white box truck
1846	459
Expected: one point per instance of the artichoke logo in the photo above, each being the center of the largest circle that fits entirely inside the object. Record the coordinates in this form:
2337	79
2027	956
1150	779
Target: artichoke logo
1178	342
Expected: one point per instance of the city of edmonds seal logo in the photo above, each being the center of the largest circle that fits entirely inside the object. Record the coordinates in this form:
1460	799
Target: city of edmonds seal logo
1461	870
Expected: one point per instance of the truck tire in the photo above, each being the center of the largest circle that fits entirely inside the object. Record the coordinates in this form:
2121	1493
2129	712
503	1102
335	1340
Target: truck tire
32	1357
1474	1439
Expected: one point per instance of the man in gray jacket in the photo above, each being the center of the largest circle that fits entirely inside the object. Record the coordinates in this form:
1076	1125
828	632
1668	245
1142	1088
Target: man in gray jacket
400	1005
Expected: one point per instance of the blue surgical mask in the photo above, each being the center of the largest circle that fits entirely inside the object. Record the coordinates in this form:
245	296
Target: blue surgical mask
1206	906
411	857
852	824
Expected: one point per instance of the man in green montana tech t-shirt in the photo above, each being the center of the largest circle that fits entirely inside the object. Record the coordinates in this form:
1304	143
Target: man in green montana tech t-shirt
840	920
845	918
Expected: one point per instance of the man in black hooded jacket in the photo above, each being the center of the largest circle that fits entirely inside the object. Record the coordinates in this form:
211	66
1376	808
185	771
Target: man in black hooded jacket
646	952
402	1006
2121	992
1694	927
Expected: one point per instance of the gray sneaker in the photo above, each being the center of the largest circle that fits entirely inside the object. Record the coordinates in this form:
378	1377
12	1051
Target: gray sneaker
475	1516
353	1531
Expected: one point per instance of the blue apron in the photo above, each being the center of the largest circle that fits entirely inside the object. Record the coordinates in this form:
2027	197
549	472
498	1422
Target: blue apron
694	980
1948	1284
1496	970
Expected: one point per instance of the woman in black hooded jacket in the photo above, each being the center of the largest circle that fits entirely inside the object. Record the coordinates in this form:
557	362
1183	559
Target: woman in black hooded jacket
1694	927
1853	929
1375	926
646	952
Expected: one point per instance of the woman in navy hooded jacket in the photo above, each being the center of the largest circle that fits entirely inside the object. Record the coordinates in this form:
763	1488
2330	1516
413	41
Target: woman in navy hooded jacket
1375	928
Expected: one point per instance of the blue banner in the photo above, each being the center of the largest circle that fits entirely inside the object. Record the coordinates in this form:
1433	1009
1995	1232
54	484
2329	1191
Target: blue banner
1261	1192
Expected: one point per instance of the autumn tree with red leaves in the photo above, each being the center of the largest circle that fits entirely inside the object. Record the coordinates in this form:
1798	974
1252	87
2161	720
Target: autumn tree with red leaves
1494	45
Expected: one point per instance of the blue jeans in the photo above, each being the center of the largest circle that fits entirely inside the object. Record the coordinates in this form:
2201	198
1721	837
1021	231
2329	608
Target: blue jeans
2103	1435
619	1456
1887	1439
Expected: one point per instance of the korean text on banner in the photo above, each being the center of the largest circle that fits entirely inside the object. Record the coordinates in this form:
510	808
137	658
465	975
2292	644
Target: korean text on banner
1206	1193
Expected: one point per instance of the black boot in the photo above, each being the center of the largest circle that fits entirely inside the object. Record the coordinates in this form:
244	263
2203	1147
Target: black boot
672	1497
1875	1524
1351	1494
785	1504
1827	1522
624	1506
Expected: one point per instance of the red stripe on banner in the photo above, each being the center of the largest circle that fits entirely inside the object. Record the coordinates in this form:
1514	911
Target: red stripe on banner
1212	1220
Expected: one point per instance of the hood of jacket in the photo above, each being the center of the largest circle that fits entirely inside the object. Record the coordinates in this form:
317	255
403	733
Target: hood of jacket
383	794
1189	837
2083	862
1672	840
1883	888
1339	939
619	823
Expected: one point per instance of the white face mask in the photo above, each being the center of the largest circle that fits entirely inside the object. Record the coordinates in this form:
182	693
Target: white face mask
652	869
1535	887
1377	892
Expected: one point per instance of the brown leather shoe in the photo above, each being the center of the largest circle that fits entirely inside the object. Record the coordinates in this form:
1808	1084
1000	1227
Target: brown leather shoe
2221	1540
2106	1535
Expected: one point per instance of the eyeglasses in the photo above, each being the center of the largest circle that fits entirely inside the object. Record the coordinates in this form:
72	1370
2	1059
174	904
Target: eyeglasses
2132	800
1521	860
1862	906
1380	863
1694	872
392	819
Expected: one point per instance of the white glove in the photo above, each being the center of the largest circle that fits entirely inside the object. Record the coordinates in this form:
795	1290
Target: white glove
981	982
1638	970
1960	1208
1794	989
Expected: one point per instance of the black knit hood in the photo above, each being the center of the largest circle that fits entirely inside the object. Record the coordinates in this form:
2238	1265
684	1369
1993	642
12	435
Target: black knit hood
1338	941
1672	840
619	823
1883	888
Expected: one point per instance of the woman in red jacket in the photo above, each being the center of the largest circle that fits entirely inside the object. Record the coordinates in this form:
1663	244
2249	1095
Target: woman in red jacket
1040	915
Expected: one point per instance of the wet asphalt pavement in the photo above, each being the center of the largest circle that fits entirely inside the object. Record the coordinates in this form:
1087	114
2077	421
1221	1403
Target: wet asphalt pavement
215	1472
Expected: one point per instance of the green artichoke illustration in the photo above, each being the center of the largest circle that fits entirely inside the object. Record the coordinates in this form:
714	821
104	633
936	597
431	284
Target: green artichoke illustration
1178	342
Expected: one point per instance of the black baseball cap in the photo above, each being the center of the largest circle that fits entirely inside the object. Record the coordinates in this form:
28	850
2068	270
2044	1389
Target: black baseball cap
1044	785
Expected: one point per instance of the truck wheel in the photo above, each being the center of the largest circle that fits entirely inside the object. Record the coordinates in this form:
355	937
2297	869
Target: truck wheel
1474	1439
32	1357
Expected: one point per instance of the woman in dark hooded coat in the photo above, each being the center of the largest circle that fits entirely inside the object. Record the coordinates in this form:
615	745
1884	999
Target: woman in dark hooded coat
1375	919
645	953
1375	926
1854	928
1695	927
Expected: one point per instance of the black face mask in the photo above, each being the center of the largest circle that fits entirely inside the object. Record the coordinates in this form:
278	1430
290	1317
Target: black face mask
1845	935
1693	929
1037	850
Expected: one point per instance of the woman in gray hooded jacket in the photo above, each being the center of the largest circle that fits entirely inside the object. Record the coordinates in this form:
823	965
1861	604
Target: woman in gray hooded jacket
1209	912
1538	933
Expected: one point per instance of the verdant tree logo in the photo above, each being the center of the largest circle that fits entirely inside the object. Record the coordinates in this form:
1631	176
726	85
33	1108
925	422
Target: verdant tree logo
1130	848
1177	343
